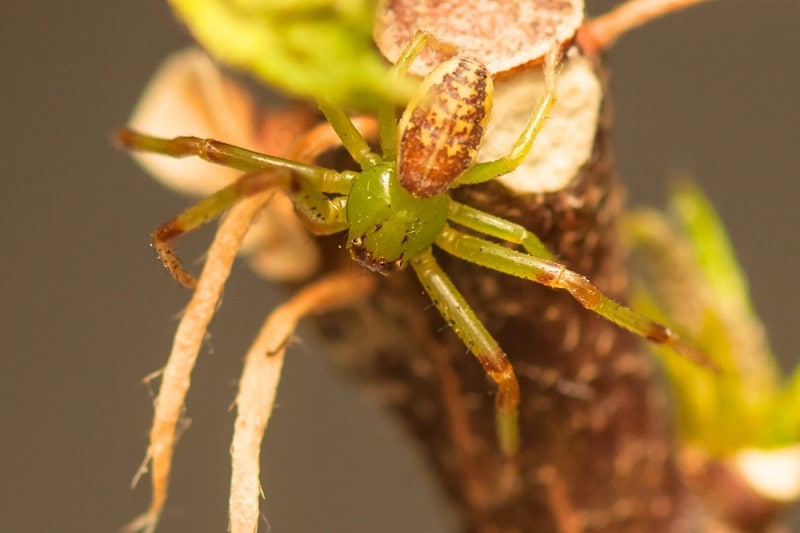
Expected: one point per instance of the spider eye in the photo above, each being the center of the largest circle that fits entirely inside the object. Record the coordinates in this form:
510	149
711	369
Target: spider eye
366	258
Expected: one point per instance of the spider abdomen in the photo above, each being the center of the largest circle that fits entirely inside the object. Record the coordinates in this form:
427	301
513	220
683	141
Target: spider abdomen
441	131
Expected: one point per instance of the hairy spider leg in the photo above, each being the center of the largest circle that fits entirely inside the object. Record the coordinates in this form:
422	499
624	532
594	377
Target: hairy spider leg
353	141
497	227
546	272
460	316
387	113
306	183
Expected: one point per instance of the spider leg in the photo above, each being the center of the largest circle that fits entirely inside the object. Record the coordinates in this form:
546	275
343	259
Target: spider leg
307	183
352	139
206	210
322	215
457	312
488	170
498	257
497	227
232	156
387	113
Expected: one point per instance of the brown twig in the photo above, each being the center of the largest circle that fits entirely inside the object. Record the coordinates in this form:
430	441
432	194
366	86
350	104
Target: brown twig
601	33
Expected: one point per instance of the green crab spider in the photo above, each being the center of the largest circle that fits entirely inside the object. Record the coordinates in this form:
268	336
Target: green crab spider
397	208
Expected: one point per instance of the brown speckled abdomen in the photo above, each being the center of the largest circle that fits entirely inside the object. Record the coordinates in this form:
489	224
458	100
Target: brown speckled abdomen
441	131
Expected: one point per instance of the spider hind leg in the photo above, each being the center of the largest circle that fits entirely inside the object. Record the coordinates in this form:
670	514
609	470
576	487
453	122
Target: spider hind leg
457	312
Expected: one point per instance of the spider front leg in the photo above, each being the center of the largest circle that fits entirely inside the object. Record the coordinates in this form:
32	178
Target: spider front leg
457	312
546	272
205	211
387	118
353	141
308	183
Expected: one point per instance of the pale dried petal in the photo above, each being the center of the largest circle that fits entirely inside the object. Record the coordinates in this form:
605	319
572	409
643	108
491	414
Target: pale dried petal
564	144
501	34
775	474
188	95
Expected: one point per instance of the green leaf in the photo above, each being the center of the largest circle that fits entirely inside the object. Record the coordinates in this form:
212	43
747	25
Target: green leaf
695	284
712	248
307	48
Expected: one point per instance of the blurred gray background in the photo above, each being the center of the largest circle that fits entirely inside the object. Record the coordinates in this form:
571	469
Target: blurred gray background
87	311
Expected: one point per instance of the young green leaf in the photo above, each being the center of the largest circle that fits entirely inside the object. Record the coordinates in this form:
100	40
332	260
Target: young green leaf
694	283
308	48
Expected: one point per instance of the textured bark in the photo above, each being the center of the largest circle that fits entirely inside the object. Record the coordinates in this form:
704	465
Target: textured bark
597	449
